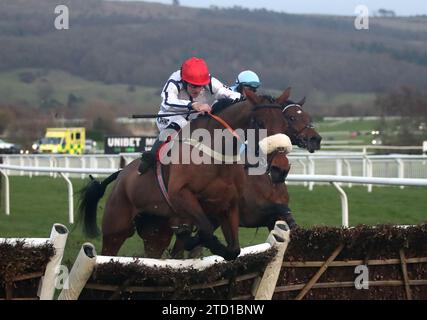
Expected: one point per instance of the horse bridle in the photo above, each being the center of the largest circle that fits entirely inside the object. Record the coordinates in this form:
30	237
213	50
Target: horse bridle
271	99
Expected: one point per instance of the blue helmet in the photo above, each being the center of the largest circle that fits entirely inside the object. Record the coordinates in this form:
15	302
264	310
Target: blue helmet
248	78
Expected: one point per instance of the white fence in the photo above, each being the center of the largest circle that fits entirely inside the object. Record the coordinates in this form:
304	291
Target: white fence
335	180
329	163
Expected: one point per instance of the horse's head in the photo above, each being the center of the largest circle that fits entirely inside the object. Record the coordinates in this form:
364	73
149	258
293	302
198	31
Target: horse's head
301	129
277	148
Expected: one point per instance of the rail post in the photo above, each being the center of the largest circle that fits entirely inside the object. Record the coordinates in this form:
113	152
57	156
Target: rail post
70	198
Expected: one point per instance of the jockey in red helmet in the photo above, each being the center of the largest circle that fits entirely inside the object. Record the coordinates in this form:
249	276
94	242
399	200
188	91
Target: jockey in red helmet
190	88
195	71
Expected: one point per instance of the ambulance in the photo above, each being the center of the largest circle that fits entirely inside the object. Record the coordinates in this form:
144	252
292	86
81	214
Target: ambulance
63	140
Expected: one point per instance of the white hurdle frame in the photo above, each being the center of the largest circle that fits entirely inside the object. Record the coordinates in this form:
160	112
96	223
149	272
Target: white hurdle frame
58	238
263	288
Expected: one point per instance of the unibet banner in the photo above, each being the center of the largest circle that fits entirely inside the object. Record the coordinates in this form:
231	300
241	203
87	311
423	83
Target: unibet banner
123	144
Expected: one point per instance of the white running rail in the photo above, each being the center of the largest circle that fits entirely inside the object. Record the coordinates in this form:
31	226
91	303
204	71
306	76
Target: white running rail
332	179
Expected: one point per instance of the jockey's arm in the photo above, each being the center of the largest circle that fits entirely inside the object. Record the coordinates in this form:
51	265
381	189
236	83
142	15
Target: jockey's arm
170	100
221	91
172	103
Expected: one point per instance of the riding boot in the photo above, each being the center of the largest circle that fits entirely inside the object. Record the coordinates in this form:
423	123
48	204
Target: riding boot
148	158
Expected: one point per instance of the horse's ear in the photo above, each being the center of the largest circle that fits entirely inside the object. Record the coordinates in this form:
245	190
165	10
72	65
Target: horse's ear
252	96
285	96
301	102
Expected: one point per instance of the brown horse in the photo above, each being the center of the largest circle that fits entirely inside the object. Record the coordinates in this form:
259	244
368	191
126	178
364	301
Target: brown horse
265	200
198	194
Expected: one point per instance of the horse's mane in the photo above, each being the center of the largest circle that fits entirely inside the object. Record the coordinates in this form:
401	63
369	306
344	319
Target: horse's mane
272	99
224	103
269	98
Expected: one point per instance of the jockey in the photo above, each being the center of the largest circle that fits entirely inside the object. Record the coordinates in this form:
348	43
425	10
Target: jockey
248	79
190	88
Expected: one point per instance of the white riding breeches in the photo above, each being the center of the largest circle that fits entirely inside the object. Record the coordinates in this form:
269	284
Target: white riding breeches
162	123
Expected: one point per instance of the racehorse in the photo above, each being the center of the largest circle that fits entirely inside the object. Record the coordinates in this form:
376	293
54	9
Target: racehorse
265	200
197	193
155	228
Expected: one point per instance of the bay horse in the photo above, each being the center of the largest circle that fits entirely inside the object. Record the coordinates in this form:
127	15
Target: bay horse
265	200
197	193
270	200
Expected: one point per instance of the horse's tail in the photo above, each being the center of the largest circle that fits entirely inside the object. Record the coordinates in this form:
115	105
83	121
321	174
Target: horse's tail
89	197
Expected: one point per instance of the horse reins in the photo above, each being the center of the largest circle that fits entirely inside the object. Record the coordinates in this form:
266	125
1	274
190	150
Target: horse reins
226	125
230	129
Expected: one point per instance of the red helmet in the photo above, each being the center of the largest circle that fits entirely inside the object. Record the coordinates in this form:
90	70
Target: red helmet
195	71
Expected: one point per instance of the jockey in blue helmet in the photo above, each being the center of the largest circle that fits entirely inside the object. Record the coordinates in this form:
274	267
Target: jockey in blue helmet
248	79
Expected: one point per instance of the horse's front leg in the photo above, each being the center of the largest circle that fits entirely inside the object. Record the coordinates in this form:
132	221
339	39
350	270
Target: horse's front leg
187	205
230	229
283	212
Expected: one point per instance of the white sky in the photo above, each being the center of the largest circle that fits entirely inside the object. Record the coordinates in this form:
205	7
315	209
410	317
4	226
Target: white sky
335	7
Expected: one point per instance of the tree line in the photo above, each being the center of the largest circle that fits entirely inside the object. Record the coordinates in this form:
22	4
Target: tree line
142	43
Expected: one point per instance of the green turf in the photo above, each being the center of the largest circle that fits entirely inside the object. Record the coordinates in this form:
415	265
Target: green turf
13	90
60	83
38	202
343	129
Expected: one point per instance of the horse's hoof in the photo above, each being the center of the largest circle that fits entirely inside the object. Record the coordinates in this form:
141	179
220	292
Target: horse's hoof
231	255
196	252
